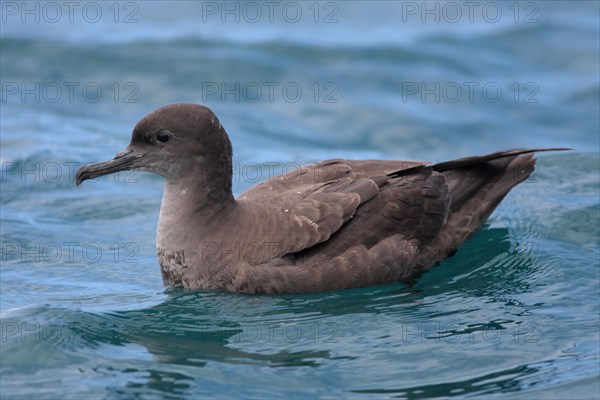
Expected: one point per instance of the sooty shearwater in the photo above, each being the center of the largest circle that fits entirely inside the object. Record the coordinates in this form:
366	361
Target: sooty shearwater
335	224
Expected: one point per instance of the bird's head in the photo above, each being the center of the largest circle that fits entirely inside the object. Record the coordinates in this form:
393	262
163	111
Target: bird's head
173	142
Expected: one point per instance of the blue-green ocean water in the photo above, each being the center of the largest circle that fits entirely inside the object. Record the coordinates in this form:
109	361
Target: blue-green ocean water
515	314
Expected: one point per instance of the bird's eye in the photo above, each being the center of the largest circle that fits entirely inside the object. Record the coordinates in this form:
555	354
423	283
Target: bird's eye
163	136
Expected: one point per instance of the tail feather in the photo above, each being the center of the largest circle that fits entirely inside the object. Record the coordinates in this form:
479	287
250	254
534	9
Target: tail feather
487	180
470	161
477	185
497	173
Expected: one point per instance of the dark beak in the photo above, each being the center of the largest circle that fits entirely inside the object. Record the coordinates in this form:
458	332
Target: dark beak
123	161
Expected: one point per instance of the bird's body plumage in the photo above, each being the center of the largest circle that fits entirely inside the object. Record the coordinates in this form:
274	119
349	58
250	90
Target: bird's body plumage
331	225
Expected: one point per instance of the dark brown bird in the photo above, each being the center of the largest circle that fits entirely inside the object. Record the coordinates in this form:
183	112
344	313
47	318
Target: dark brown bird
336	224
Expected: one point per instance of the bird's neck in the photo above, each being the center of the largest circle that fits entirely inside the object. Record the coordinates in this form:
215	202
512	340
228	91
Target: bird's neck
199	201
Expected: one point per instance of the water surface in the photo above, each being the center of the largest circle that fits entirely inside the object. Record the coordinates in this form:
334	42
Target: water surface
513	315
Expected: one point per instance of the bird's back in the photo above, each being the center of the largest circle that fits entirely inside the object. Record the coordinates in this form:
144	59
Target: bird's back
417	215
